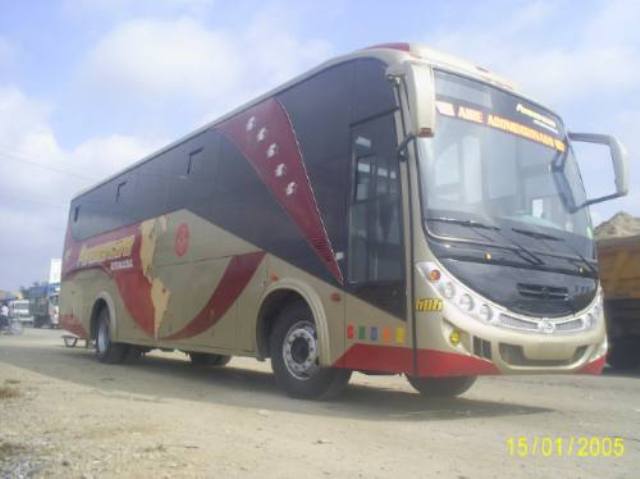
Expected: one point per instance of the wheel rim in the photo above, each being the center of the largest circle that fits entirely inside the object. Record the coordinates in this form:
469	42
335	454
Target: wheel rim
103	337
300	350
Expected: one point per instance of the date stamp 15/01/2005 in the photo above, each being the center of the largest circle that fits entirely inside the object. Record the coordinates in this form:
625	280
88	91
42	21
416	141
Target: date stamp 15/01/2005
570	446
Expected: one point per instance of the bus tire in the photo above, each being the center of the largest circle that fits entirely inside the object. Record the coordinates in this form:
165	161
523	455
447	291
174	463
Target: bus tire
293	345
206	359
624	354
442	387
108	351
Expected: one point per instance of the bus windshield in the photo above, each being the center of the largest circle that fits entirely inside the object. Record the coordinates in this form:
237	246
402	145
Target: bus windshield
502	163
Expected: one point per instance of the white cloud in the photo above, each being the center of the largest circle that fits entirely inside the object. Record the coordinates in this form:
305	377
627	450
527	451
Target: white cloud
164	61
599	58
152	58
39	177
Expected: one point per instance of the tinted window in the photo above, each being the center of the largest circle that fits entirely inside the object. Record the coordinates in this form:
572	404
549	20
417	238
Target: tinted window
375	246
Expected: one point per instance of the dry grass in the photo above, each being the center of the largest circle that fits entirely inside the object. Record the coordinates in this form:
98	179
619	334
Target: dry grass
10	449
8	393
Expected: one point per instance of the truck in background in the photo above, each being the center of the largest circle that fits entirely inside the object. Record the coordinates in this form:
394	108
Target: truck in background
619	260
19	309
43	305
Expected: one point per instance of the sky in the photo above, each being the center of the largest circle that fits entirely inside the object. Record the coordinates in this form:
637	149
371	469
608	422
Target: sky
89	86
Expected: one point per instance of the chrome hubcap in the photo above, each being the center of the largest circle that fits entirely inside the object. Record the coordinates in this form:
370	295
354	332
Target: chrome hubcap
300	350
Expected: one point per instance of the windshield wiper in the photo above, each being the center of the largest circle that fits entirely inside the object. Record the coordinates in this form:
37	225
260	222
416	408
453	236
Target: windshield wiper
544	236
457	221
537	234
520	250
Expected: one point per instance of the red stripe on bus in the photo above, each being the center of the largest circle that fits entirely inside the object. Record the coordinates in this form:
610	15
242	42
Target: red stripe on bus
234	280
265	137
594	367
394	359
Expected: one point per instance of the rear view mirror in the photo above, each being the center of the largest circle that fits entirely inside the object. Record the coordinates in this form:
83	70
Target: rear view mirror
618	157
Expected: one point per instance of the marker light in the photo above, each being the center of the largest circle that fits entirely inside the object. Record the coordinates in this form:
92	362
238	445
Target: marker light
434	275
466	302
454	337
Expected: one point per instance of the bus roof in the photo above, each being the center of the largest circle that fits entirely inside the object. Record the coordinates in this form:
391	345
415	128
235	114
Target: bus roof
390	53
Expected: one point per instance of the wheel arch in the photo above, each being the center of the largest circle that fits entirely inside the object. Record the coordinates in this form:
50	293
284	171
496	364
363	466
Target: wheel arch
103	300
275	299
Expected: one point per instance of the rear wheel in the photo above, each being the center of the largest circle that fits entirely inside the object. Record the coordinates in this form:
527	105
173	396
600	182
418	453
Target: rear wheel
108	351
624	354
205	359
295	357
442	387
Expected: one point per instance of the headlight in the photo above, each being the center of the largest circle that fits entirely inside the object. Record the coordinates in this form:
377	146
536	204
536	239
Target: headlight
466	302
485	313
588	321
448	290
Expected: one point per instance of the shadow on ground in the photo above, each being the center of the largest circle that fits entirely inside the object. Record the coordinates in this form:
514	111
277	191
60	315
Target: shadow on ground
163	378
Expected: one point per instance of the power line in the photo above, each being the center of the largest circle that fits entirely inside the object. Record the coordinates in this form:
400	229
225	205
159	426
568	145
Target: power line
13	157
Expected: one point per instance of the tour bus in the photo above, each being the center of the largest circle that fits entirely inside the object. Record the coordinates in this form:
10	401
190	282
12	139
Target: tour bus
392	211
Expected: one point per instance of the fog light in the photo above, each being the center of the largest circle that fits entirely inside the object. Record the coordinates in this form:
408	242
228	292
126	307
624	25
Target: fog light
466	302
454	337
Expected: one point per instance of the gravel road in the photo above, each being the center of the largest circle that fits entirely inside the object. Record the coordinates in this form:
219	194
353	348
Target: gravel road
62	414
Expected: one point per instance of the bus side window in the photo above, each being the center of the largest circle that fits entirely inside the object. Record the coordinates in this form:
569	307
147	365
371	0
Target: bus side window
193	164
76	213
120	191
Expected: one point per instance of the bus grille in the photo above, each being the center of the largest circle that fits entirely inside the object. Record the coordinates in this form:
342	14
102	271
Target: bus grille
534	325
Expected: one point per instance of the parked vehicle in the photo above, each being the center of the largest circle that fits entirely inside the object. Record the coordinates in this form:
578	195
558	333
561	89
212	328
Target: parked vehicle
395	210
619	260
43	305
19	309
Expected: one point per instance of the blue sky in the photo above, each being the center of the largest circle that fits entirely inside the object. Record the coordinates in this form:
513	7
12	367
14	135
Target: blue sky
86	87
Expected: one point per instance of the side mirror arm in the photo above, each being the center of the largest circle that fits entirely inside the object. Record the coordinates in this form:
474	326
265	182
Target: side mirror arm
618	157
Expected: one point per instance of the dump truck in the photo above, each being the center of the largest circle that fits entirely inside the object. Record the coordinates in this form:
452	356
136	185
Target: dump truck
619	262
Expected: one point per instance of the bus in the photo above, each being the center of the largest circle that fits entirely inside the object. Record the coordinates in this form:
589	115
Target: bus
393	211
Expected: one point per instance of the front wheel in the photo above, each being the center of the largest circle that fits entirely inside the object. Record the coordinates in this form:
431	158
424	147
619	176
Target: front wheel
442	387
295	355
108	351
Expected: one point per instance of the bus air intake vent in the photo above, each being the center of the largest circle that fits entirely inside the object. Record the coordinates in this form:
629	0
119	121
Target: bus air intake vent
481	347
543	292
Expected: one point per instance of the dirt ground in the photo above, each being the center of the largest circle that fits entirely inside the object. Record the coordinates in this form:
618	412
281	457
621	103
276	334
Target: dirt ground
62	414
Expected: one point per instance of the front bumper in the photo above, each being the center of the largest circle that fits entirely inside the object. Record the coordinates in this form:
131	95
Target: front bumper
487	349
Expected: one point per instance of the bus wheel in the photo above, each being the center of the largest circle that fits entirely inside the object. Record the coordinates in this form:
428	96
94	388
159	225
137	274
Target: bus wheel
442	387
295	357
106	350
205	359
